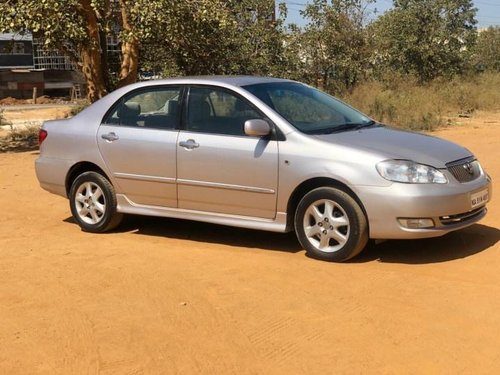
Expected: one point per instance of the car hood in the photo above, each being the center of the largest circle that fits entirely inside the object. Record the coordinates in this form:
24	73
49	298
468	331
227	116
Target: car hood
400	144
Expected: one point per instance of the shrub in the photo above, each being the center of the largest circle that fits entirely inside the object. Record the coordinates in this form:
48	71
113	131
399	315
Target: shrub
20	138
3	121
78	108
425	107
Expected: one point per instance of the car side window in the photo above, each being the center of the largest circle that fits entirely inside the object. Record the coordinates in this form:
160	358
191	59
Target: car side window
149	108
218	111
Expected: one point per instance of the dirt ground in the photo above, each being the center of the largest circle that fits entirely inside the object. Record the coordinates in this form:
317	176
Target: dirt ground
36	114
162	296
9	101
39	114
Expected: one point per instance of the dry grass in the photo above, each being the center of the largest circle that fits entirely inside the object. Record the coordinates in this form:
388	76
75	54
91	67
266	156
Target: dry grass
21	132
77	108
3	120
21	138
401	102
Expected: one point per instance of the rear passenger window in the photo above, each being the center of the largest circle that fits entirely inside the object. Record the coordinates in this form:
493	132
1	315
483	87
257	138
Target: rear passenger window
150	108
217	111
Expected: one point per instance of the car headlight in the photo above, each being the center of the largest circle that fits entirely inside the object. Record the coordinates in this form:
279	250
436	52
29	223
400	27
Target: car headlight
409	172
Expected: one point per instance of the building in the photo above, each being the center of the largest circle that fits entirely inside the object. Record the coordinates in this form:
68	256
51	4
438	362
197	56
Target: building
16	51
27	64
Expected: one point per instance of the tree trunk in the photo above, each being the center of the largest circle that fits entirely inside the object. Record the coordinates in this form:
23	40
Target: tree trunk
90	55
130	51
129	66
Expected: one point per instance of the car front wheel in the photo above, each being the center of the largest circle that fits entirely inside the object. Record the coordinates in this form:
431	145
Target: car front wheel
330	225
93	203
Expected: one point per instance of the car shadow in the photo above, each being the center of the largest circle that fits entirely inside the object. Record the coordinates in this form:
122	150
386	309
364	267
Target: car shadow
455	245
207	233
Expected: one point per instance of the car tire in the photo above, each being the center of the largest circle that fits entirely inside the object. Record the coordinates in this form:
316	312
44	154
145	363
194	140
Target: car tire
93	203
330	225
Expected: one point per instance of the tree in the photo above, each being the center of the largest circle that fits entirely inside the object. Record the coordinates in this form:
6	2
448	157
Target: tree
295	59
427	38
334	43
80	27
189	34
245	39
487	50
257	37
75	26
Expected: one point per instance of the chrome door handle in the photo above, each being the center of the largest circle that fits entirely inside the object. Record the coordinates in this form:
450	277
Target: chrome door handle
110	137
189	144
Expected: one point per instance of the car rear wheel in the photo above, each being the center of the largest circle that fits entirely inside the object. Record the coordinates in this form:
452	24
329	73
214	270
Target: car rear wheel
330	225
93	203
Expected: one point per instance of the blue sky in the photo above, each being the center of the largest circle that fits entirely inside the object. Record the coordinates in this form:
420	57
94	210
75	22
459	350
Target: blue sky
488	13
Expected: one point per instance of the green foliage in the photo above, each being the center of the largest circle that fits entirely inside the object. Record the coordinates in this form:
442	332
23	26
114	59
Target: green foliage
487	50
256	40
425	38
212	37
334	43
59	23
190	34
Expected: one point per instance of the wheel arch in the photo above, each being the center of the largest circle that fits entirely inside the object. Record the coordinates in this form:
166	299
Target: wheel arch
78	169
306	186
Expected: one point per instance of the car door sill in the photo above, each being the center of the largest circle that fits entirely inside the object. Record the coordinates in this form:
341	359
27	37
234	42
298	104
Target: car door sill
278	224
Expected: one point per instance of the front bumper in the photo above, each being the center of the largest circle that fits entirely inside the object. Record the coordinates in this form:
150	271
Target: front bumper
448	205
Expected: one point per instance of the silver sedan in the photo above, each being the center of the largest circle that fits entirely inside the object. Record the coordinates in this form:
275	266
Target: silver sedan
259	153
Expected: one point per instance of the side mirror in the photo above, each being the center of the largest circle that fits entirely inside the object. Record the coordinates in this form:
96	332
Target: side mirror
257	128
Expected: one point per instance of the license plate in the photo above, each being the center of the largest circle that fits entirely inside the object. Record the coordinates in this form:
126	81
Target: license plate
479	198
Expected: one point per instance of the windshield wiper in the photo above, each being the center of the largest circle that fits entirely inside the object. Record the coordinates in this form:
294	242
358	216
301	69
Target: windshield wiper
368	124
347	127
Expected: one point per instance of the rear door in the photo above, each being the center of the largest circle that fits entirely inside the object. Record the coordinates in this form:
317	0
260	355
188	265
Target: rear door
137	140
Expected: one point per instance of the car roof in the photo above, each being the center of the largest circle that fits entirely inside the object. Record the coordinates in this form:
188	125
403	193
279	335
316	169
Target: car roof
229	80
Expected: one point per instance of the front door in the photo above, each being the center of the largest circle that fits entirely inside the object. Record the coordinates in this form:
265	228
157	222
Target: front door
219	168
138	140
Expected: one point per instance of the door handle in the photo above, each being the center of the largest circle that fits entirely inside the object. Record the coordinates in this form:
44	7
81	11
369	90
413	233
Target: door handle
110	137
189	144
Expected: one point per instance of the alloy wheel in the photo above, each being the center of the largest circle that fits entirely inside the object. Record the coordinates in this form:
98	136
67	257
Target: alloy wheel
326	225
90	202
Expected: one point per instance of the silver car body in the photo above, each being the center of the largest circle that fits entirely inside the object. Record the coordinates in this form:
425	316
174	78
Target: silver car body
250	181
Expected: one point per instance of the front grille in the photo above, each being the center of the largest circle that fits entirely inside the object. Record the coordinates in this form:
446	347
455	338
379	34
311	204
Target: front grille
465	170
459	218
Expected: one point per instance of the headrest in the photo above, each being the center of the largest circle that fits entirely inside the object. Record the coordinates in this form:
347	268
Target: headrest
129	109
199	111
172	107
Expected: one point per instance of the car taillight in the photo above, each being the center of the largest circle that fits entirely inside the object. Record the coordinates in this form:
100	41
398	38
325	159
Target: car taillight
42	134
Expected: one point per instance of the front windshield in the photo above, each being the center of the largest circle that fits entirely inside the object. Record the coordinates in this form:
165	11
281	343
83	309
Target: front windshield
309	110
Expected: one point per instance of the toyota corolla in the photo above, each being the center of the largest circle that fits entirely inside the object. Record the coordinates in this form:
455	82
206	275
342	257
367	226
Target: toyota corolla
260	153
